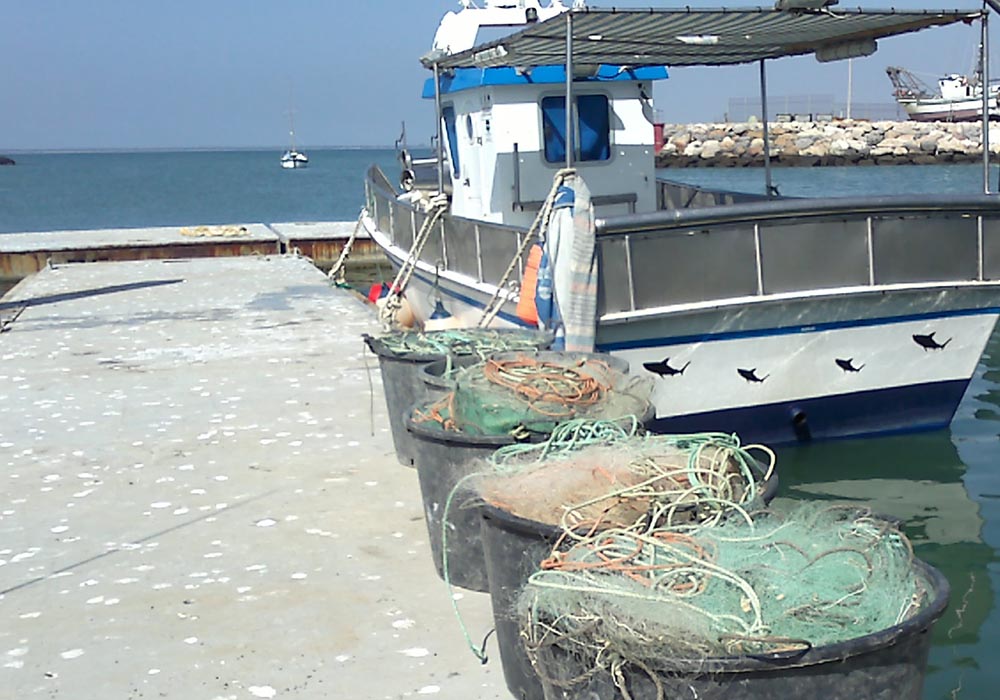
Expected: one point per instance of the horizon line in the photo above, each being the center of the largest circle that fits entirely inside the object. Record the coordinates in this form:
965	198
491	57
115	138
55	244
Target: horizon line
184	149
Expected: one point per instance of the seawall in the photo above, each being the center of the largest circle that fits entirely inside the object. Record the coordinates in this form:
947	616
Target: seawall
843	142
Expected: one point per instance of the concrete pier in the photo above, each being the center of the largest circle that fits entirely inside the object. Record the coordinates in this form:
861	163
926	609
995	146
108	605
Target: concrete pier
193	503
22	254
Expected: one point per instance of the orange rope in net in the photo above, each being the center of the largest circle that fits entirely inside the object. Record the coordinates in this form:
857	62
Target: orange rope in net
537	382
608	557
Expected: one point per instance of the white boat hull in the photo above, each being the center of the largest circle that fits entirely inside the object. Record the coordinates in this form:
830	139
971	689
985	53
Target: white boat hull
862	370
941	110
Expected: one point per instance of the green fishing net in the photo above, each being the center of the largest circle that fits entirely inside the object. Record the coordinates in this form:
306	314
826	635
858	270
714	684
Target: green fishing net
480	342
662	598
522	393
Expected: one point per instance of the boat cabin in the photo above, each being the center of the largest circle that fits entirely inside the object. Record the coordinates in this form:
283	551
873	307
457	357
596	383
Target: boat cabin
504	128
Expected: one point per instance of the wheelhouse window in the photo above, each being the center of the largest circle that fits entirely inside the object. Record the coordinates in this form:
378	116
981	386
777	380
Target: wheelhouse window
451	131
591	128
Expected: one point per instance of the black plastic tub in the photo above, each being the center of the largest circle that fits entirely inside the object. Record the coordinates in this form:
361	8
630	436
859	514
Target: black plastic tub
404	386
443	459
513	548
889	664
433	375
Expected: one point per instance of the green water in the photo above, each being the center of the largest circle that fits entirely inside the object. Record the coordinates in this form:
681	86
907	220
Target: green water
945	486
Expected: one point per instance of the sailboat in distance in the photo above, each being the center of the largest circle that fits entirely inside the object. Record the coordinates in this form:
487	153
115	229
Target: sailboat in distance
292	158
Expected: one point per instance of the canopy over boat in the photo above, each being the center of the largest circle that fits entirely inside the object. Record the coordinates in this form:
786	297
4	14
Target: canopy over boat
698	37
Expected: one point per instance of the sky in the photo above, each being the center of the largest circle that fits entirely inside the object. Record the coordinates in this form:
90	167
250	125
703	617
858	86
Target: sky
127	74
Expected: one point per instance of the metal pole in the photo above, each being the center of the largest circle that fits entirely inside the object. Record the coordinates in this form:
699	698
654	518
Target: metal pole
768	189
437	108
569	89
850	84
984	78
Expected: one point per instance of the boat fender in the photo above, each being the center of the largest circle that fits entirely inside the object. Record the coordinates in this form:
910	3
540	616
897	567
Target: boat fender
377	291
526	309
405	317
441	319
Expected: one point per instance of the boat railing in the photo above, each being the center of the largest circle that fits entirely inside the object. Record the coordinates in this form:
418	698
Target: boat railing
795	246
671	195
477	249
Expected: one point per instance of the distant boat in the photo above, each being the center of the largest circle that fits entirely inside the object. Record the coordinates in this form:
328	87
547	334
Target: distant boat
293	158
958	98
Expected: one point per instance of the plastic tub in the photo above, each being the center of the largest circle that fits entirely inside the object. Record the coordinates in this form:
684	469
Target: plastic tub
513	548
436	384
890	663
403	387
443	458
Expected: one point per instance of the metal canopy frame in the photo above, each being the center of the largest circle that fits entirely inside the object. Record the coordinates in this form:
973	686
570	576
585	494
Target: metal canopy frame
695	37
583	38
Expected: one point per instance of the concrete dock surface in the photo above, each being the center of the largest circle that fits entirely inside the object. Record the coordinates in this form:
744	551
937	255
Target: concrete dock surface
194	504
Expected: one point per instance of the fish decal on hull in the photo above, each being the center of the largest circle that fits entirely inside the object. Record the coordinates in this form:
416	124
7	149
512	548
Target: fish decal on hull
927	342
848	365
751	375
663	369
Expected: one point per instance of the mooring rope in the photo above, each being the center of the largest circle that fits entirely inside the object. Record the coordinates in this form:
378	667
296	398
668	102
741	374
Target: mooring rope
336	273
393	302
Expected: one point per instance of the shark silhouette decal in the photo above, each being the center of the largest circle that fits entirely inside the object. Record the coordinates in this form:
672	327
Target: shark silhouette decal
663	369
848	365
927	342
751	376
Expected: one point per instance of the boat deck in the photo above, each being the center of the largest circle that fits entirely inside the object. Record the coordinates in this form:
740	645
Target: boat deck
193	502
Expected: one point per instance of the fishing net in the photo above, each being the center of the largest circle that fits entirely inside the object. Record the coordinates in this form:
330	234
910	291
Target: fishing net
521	394
479	342
667	601
594	476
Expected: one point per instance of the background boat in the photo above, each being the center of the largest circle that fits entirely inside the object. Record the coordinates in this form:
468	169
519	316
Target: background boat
958	97
293	158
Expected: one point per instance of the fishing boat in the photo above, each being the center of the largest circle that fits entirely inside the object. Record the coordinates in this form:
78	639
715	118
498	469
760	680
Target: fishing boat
958	97
782	319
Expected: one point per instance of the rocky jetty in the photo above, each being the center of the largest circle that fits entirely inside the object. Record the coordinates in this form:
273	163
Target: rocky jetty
843	142
4	160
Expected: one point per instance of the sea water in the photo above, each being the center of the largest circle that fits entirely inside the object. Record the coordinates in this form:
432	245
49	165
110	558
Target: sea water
944	485
62	191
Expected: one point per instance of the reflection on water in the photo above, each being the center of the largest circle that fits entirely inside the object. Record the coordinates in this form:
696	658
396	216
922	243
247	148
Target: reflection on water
945	487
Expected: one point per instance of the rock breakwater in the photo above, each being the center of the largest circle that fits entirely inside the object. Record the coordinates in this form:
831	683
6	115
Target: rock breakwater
844	142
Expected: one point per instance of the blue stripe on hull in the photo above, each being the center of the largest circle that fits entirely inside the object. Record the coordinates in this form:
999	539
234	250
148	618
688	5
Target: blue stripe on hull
795	330
865	413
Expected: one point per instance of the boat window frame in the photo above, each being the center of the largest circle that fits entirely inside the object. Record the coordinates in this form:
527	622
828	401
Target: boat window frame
451	135
609	144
